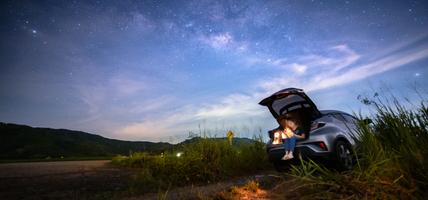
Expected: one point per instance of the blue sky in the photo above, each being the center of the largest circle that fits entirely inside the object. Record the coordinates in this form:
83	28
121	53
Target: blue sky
155	70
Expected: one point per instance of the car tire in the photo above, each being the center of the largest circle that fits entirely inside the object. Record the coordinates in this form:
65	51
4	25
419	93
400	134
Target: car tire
281	165
344	156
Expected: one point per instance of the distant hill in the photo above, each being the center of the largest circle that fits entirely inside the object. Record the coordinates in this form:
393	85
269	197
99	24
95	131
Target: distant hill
25	142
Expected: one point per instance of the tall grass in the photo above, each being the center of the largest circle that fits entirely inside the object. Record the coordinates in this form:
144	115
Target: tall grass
392	158
203	161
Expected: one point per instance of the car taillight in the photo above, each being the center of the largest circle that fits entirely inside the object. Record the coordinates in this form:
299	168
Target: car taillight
322	146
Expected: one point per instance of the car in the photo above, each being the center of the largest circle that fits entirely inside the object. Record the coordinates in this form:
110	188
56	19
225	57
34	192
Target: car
331	137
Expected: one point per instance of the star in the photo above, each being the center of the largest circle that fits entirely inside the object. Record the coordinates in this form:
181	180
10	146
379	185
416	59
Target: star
109	51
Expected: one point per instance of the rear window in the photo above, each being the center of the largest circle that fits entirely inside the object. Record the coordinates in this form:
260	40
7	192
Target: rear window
289	103
349	118
338	116
343	117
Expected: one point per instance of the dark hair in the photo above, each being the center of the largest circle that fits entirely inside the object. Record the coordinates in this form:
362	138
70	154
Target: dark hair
293	116
301	118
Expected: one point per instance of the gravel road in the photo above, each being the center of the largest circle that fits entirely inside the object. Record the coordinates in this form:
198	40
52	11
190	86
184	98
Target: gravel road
62	180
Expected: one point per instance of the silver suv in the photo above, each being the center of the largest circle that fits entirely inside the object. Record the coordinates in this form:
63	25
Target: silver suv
331	132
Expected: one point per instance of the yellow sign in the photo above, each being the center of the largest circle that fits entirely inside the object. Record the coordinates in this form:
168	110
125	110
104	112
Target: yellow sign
230	135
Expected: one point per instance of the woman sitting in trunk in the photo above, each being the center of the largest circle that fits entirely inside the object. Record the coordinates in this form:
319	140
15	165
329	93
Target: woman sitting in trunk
292	130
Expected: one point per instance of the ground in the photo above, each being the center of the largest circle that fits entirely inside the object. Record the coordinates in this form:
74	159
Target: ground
101	180
61	180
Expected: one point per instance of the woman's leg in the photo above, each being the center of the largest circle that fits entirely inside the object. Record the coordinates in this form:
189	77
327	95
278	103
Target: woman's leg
285	143
292	144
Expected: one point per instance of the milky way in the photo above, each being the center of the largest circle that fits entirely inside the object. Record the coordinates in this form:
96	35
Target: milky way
155	70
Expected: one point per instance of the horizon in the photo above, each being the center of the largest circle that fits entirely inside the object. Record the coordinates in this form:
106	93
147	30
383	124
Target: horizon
156	71
175	142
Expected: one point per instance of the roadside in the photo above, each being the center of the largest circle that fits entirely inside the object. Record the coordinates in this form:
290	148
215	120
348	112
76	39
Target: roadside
34	169
62	180
101	180
265	185
49	159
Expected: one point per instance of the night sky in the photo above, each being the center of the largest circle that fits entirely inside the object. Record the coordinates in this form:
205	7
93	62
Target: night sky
155	70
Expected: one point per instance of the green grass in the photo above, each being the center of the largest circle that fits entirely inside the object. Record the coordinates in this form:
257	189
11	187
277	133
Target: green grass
392	157
203	161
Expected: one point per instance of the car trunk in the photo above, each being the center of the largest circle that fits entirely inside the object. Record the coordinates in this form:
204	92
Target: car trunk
290	99
292	103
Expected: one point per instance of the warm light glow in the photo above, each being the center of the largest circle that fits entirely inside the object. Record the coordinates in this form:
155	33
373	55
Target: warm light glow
277	137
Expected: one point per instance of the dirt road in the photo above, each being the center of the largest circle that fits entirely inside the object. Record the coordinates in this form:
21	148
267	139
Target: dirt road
61	180
100	180
34	169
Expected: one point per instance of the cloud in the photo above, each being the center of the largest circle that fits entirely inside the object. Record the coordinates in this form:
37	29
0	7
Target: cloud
337	70
155	128
124	86
298	68
332	59
117	98
233	110
342	71
335	66
348	55
234	105
146	130
366	70
151	105
93	96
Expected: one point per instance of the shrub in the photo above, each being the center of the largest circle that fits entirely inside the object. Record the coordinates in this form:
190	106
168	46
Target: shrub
392	158
203	161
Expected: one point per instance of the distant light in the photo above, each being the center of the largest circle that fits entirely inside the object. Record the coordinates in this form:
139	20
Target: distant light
179	154
417	74
34	31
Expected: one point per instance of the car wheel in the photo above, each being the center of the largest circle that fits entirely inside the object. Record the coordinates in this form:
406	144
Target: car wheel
344	156
281	166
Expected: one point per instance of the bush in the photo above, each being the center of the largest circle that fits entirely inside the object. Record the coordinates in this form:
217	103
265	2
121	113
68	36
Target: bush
203	161
392	158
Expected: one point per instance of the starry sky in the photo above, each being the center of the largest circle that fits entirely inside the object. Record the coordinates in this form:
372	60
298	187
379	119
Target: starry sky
157	70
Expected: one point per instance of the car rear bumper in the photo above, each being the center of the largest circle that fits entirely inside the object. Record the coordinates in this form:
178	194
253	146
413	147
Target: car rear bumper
276	153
